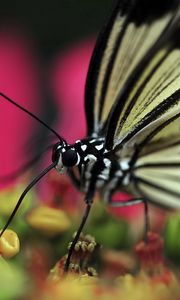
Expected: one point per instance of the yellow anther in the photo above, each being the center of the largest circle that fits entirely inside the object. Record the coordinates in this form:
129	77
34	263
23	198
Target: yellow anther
9	244
84	246
77	246
49	221
89	238
91	247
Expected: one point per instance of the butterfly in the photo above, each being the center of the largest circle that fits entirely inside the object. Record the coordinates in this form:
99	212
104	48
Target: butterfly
132	107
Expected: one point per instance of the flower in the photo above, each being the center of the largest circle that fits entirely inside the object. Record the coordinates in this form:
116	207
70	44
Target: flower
78	285
81	257
152	262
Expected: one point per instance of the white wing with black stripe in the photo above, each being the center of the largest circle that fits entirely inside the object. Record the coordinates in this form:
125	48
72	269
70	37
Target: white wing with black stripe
133	95
133	29
157	177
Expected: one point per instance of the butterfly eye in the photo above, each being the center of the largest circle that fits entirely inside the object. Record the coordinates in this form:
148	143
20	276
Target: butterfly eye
69	158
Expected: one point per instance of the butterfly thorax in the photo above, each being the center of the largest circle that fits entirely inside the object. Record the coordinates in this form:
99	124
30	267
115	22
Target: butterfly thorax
81	153
97	169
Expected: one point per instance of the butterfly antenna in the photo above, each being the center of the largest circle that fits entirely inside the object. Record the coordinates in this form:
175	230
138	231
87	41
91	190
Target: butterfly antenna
35	180
32	115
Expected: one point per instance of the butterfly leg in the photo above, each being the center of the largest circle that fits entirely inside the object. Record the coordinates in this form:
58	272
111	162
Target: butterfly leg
135	201
76	238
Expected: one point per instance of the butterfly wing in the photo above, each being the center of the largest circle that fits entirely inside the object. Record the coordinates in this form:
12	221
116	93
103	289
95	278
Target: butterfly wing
154	98
144	124
133	95
133	29
157	176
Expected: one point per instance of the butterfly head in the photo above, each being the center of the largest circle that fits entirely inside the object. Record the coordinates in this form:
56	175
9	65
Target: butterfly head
65	156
